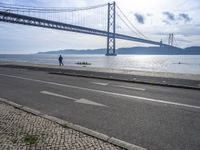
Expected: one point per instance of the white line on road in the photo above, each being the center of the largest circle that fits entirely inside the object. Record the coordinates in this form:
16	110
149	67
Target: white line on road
130	87
81	100
105	92
57	95
126	87
100	83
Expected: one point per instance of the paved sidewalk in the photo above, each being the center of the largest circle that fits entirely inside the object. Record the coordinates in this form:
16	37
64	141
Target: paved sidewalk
20	130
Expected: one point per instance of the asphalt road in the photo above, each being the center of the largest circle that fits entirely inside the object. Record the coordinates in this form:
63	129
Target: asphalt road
153	117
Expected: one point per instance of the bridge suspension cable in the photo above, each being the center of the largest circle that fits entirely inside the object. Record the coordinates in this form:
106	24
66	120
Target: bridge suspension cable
74	20
81	16
22	8
130	25
31	9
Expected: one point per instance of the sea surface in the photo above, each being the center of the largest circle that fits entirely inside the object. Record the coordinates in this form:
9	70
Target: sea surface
189	64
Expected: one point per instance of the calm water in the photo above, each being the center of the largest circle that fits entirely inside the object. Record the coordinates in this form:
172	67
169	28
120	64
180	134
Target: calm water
161	63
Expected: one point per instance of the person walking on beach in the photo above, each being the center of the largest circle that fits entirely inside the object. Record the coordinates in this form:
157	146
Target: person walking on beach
60	59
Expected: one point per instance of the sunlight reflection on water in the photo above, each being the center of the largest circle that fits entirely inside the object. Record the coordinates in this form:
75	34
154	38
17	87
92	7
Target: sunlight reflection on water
159	63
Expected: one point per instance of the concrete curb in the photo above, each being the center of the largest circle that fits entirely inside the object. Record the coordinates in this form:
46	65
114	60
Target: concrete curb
106	138
133	81
59	71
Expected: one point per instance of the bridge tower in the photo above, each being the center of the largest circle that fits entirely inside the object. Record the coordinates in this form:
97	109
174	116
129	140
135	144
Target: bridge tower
111	30
171	39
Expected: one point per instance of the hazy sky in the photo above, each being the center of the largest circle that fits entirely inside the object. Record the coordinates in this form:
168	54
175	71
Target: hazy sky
154	18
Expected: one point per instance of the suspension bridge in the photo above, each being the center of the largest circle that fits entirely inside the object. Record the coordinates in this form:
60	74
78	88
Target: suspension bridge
78	20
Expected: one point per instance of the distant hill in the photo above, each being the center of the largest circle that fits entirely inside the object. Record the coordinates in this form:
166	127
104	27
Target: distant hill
73	51
195	50
159	51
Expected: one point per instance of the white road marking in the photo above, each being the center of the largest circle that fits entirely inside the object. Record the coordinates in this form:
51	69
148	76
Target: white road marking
105	92
130	87
100	83
82	100
126	87
57	95
86	101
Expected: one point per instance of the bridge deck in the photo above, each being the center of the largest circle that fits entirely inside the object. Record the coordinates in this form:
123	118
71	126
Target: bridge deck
32	21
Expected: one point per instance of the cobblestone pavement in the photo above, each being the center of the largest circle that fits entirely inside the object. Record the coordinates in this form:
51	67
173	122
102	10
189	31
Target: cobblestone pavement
20	130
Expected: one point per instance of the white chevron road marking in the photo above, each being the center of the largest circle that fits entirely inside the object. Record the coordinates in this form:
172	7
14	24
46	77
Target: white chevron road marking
81	100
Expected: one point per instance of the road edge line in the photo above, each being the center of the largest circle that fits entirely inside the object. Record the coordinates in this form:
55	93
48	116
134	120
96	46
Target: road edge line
63	123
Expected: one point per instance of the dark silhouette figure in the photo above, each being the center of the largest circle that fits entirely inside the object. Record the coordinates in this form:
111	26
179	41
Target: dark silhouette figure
60	59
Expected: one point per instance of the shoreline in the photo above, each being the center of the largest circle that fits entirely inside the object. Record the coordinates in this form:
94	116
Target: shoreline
144	63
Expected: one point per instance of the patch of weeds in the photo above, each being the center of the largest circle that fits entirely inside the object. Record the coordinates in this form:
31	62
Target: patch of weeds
14	141
30	139
65	126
